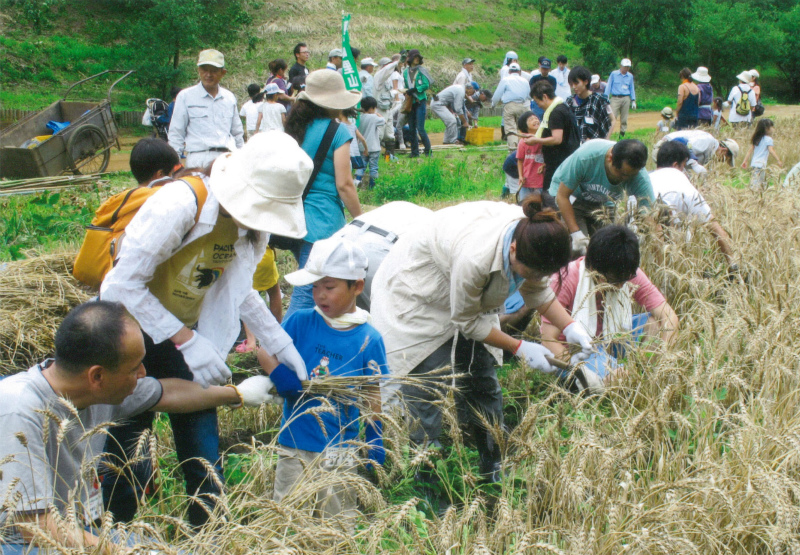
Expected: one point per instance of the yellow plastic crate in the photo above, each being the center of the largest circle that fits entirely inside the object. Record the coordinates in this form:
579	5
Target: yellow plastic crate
480	135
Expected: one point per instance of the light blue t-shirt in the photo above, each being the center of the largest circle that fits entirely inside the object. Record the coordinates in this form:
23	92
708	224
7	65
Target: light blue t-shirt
761	152
355	352
584	173
323	207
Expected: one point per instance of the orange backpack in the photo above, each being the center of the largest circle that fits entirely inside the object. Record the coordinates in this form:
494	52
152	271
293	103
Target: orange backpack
100	247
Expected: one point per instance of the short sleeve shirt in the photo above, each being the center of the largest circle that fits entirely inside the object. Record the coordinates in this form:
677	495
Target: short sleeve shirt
761	152
584	174
49	469
323	207
532	160
560	118
272	116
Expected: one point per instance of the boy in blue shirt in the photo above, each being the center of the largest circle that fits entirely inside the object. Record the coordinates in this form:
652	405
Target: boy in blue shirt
334	338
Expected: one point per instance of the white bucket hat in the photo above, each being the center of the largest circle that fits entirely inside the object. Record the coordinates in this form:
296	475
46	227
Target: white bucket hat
754	74
701	75
326	88
272	88
745	77
733	147
261	185
334	257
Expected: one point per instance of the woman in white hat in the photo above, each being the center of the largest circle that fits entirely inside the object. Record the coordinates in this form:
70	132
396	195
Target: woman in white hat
185	274
755	84
312	118
703	81
737	105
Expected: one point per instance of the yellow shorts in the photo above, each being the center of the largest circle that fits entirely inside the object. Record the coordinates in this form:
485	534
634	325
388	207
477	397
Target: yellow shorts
266	275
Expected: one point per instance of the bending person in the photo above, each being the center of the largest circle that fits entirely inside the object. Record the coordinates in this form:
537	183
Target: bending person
597	291
444	283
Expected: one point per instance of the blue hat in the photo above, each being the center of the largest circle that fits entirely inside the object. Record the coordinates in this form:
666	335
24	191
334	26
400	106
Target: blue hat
475	86
545	63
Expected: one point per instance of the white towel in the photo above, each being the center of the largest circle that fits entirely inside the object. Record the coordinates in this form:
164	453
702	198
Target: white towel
618	306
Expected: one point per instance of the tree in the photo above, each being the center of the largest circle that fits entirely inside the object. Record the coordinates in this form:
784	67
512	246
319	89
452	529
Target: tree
166	29
788	55
541	7
37	13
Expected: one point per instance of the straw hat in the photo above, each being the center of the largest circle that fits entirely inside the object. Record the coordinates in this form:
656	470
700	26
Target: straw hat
701	75
261	185
326	88
745	77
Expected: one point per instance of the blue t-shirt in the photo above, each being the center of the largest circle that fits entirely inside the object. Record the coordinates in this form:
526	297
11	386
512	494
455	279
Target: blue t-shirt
355	352
323	207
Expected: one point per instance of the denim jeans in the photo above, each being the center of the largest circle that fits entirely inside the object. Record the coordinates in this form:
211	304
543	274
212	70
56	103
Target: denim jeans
196	437
416	124
301	295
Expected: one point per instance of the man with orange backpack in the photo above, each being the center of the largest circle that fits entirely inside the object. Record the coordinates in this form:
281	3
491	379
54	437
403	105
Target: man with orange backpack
185	274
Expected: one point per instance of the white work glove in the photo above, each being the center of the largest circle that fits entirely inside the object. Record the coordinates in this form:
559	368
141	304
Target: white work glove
255	391
594	385
633	104
576	334
579	243
205	362
534	356
291	358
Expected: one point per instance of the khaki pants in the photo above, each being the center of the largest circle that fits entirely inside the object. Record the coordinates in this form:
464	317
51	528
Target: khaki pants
511	113
334	498
620	106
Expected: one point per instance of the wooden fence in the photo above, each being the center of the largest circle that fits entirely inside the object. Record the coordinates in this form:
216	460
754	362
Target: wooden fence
133	119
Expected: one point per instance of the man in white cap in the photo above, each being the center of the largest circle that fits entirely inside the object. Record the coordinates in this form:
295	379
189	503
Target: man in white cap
514	93
185	274
742	101
510	58
703	148
335	59
367	82
464	76
620	90
596	85
205	121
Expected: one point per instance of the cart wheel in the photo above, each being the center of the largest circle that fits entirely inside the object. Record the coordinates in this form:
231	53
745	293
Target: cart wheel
89	150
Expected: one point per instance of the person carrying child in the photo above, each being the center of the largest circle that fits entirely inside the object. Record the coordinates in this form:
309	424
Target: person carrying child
271	113
598	289
371	127
761	146
335	338
530	161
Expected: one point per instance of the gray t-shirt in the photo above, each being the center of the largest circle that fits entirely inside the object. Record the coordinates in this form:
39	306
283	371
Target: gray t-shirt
53	454
453	96
371	126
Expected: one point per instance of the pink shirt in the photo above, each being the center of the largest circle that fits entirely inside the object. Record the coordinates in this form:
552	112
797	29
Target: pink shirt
532	160
644	292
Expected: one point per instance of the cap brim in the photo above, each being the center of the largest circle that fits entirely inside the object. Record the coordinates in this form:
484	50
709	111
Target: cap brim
302	277
250	209
215	64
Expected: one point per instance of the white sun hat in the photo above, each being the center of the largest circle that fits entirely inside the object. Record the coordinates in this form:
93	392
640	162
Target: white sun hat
334	257
701	75
745	77
261	185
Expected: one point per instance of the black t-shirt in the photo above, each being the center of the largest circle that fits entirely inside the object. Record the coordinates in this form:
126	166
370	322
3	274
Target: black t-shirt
297	69
560	118
539	77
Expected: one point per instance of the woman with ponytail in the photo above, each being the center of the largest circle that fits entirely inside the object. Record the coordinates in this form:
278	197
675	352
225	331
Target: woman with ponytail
445	284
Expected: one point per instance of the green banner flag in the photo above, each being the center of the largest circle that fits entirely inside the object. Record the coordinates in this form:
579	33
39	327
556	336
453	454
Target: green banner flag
349	69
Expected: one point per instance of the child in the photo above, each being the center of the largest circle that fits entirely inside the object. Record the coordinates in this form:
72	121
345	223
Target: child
272	114
760	148
348	119
336	338
717	117
153	159
530	161
250	109
665	123
598	290
264	279
371	128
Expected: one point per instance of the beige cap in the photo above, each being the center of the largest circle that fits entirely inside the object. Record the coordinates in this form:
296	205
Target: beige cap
211	57
326	88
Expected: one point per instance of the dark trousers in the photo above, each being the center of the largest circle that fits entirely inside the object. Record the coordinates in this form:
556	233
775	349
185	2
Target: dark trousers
196	437
416	124
479	392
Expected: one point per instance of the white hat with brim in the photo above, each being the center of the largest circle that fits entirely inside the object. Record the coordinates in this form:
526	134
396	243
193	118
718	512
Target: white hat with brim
745	77
754	74
733	147
513	66
368	62
272	88
625	62
334	257
261	185
595	79
701	75
326	88
211	57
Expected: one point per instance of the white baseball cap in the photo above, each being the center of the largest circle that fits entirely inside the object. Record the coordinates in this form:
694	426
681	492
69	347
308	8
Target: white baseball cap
595	79
625	62
334	257
513	66
368	62
211	57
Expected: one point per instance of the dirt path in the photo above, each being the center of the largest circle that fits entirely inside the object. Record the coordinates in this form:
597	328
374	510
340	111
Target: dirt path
636	120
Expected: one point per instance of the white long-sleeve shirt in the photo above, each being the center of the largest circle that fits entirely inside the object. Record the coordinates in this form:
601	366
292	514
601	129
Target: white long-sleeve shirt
164	225
513	88
201	121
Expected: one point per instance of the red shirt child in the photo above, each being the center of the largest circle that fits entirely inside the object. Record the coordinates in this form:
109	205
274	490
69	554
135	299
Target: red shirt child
530	161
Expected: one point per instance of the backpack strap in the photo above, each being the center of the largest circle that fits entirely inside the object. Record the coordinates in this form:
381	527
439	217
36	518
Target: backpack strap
322	152
198	188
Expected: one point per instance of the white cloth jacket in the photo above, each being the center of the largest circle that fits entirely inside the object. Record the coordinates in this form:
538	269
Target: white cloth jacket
200	121
164	225
446	277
